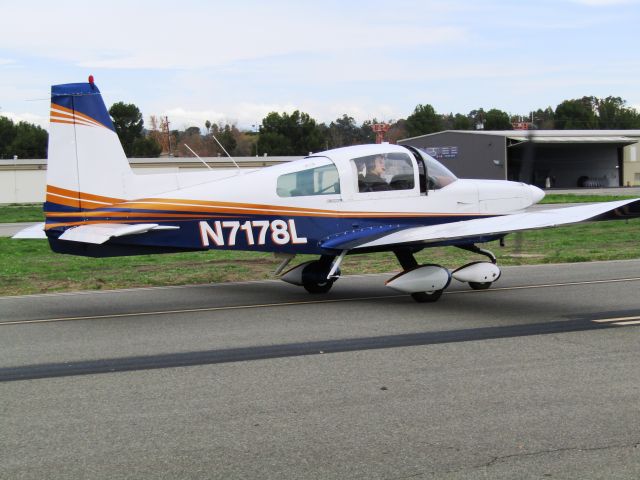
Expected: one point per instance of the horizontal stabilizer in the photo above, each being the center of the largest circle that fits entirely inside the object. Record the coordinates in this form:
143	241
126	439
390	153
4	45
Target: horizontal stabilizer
101	232
34	231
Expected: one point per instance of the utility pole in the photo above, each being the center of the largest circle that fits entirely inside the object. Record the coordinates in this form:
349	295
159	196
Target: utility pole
166	126
256	128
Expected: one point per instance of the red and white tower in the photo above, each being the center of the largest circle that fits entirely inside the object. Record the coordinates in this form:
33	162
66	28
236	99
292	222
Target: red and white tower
380	129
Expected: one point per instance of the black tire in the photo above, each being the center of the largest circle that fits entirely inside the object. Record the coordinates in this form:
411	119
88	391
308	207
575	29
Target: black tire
314	278
480	285
318	287
427	297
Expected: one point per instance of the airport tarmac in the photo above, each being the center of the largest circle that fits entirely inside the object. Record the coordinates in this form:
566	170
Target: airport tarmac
536	378
10	229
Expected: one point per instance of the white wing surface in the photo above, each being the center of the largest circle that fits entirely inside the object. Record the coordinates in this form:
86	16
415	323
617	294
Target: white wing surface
508	223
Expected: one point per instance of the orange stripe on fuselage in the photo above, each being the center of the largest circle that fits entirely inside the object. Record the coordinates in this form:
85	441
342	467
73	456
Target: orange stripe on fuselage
93	213
175	206
104	201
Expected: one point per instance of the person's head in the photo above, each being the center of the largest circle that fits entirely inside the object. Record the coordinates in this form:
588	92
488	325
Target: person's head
378	165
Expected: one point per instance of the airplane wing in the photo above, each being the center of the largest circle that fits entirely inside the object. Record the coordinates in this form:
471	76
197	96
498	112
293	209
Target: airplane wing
482	229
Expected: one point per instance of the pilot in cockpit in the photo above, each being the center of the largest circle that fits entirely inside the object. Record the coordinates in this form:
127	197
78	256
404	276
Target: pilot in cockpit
374	180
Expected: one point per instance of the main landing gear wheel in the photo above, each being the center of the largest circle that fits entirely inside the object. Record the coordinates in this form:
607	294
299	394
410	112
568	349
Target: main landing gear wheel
479	275
314	277
418	277
480	285
427	297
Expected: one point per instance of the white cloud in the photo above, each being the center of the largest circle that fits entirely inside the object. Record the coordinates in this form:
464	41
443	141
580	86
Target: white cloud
236	62
243	114
203	35
27	117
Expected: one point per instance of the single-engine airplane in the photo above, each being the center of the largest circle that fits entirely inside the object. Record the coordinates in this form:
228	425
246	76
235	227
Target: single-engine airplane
365	198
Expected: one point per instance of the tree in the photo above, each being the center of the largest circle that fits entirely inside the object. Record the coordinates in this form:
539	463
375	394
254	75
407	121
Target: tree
614	114
190	131
344	132
128	123
497	120
462	122
477	119
368	134
246	143
397	131
7	134
191	136
227	138
544	119
423	120
24	140
577	114
295	134
160	134
146	147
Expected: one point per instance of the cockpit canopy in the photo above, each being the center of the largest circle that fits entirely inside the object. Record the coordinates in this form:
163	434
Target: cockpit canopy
362	169
438	175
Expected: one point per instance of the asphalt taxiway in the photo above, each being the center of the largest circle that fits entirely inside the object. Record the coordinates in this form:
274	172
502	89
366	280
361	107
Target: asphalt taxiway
536	378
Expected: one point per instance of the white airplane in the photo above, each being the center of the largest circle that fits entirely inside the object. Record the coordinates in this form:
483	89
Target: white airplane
365	198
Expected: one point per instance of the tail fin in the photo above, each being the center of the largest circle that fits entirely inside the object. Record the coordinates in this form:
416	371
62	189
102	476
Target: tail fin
87	167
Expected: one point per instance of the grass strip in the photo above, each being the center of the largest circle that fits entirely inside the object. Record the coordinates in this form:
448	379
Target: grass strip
576	198
21	212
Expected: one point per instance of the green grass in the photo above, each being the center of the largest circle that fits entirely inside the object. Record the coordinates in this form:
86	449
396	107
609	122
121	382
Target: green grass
28	266
575	198
21	212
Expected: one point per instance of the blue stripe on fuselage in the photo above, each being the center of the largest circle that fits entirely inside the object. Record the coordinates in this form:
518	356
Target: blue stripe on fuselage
316	231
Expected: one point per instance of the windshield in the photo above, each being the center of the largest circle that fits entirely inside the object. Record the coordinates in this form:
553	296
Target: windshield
439	175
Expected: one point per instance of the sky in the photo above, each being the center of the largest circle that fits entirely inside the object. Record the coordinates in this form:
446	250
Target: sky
235	62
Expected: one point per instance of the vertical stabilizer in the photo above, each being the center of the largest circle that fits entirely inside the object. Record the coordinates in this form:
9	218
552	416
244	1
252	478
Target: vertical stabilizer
87	167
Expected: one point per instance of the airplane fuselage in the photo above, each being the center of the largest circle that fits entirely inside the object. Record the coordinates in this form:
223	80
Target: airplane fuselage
252	211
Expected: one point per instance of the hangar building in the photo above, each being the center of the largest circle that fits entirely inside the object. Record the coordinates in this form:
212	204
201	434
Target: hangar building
546	158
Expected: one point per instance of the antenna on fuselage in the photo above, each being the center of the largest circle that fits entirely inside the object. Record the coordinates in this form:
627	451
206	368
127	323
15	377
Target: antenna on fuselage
225	151
198	157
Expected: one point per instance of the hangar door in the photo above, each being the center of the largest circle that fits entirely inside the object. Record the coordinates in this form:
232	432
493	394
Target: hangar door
566	162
